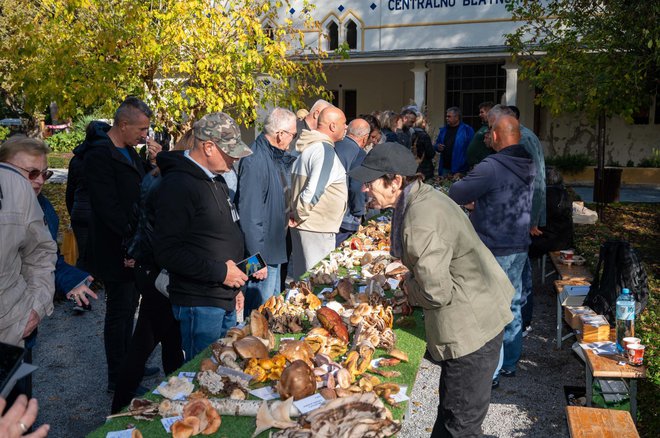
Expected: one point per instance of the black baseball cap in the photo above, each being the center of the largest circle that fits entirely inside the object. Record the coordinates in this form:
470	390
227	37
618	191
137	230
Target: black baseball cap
386	158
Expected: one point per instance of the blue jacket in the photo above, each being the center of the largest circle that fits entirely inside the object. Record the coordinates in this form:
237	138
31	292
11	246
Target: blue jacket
66	276
501	188
261	198
459	154
351	156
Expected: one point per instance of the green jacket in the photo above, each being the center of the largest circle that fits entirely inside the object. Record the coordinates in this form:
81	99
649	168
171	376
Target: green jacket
477	149
465	294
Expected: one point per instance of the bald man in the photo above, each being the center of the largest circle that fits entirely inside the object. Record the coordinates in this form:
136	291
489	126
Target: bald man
318	192
501	188
351	152
309	122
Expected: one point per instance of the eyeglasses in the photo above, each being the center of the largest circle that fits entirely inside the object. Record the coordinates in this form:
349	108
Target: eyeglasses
292	134
34	173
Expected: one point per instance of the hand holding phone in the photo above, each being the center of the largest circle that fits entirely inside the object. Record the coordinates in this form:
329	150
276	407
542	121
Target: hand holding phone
235	277
251	264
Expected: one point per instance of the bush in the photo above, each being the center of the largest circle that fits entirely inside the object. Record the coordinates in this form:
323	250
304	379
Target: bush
570	163
653	161
65	141
4	133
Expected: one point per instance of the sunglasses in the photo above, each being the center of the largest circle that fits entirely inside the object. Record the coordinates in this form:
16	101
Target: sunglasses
34	173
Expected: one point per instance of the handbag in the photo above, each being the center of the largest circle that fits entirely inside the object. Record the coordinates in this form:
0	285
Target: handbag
162	281
69	248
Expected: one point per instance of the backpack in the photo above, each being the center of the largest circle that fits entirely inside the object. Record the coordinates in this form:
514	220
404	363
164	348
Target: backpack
619	266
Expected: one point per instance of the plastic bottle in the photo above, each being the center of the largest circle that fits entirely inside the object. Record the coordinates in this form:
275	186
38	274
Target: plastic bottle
625	317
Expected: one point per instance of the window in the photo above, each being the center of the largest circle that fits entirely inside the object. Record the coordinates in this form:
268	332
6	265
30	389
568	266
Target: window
350	104
333	36
351	34
335	98
470	84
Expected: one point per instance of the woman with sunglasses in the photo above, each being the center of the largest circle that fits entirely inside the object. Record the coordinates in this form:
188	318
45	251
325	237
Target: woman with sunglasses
29	156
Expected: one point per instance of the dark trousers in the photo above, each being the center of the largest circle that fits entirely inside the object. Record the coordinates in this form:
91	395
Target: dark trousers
155	324
465	385
121	300
284	267
24	385
81	231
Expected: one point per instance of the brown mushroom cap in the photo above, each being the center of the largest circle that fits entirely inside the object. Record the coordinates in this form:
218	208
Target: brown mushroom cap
249	347
297	350
297	381
258	325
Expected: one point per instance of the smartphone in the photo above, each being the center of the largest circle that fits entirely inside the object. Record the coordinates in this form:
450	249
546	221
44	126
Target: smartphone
11	358
251	264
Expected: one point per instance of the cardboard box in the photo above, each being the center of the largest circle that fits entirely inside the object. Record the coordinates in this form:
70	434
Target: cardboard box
573	295
595	328
572	315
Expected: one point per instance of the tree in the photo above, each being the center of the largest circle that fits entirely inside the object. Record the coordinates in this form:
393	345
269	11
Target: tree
596	57
185	58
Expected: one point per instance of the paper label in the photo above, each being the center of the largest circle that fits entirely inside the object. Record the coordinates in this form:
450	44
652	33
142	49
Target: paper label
168	422
326	290
375	362
120	434
362	289
179	396
190	375
265	393
291	293
394	283
310	403
401	395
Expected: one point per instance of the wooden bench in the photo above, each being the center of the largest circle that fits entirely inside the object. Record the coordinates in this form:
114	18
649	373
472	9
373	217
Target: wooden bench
610	366
599	423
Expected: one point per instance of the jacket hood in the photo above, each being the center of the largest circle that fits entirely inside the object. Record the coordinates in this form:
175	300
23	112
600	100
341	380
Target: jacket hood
517	160
309	137
96	131
176	161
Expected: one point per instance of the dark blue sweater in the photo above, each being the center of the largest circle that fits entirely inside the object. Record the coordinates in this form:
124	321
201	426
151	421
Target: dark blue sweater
501	188
351	156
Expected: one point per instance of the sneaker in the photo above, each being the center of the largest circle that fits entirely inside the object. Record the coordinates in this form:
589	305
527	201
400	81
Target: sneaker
507	373
526	331
151	371
496	383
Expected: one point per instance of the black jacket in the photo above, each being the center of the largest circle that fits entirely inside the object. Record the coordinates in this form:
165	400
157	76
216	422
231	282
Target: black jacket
195	233
423	147
114	187
558	231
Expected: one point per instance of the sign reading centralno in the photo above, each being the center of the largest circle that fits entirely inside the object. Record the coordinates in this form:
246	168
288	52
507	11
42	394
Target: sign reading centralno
407	5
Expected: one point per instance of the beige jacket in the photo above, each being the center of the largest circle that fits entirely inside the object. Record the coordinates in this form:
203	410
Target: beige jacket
27	257
318	184
465	294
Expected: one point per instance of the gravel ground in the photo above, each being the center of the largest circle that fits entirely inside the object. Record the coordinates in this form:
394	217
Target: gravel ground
71	381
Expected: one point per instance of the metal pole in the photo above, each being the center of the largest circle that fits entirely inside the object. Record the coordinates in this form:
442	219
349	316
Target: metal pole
600	181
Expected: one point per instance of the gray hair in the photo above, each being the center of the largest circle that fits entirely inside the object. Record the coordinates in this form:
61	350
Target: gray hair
279	119
319	105
455	110
500	110
358	131
129	107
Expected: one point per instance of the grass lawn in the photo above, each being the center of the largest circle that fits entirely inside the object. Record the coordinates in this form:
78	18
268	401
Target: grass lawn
640	225
59	160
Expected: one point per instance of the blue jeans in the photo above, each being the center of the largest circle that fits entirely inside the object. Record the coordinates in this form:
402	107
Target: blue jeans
513	266
258	292
201	326
527	301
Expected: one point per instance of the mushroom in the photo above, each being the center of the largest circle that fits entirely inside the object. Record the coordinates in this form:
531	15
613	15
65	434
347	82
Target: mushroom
258	325
277	416
249	347
297	350
297	381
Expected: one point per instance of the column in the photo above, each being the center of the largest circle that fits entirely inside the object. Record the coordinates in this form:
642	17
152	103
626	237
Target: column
511	93
419	71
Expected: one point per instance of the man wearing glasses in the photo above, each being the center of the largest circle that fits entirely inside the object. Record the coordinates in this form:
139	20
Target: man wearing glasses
263	181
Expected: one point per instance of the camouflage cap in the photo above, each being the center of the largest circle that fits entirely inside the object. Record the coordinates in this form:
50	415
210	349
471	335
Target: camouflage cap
223	131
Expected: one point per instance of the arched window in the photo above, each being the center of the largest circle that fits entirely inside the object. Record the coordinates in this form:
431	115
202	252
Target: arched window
351	34
269	31
333	36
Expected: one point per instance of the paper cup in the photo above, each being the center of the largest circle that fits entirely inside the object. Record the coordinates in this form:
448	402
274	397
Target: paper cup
629	341
566	254
635	354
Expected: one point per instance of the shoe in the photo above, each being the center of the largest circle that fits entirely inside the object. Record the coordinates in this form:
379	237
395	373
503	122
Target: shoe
496	383
151	371
111	387
507	373
526	331
140	391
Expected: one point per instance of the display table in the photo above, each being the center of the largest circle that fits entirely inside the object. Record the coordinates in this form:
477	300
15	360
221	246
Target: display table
559	288
409	339
570	272
599	423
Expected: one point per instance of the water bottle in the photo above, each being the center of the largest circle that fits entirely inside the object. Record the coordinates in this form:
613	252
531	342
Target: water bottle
625	318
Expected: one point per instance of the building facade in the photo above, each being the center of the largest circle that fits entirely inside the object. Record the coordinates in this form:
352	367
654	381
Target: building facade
442	53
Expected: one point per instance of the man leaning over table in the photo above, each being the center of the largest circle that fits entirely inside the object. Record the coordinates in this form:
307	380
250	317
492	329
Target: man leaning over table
197	237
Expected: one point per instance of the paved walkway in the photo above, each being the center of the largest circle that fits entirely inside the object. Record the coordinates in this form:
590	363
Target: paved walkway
627	193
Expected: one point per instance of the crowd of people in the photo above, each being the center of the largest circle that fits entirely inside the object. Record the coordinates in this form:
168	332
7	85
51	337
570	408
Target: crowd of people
171	227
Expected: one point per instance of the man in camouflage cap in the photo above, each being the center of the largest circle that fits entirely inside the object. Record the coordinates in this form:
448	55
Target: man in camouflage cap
197	237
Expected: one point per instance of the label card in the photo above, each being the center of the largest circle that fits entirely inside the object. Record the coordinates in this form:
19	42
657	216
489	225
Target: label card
310	403
179	396
120	434
401	395
325	290
187	374
394	283
362	289
265	393
168	422
291	293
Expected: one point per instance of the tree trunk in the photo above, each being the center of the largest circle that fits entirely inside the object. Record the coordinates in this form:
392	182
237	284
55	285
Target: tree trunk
600	181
